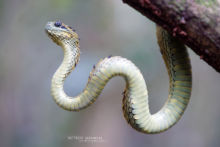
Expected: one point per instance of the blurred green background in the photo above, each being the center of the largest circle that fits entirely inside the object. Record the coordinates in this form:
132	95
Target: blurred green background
28	59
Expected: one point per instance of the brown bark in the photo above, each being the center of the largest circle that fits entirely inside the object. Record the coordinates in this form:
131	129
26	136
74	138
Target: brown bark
195	22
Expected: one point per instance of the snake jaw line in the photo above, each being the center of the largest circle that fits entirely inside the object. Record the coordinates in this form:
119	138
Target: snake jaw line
135	99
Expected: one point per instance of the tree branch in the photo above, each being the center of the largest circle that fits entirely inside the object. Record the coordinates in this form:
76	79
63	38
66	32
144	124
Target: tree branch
195	22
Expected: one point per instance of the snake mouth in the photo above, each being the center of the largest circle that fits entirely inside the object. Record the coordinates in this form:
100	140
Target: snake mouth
51	36
49	27
47	32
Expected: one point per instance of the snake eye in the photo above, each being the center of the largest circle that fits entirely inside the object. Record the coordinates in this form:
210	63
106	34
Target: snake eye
58	23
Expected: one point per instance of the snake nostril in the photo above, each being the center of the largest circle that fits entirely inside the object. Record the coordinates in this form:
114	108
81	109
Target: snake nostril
58	23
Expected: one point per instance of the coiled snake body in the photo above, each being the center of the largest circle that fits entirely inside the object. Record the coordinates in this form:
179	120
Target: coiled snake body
135	101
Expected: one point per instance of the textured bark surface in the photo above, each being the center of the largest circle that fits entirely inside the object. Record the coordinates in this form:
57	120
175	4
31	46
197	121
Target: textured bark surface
195	22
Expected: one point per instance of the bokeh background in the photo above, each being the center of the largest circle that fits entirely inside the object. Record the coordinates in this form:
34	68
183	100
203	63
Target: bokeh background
28	59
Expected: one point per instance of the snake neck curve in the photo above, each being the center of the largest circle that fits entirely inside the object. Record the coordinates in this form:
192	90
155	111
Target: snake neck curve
67	65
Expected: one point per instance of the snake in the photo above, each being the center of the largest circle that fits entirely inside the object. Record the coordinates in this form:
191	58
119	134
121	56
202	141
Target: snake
135	96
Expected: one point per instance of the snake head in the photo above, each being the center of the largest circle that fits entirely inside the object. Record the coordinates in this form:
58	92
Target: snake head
60	33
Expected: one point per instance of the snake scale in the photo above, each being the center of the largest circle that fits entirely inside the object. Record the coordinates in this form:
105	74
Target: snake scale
135	101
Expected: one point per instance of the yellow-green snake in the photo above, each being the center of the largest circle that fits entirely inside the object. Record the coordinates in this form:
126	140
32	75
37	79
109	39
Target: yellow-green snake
135	101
